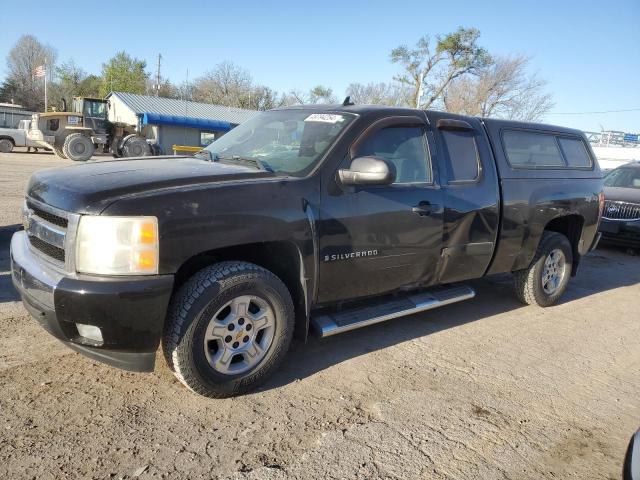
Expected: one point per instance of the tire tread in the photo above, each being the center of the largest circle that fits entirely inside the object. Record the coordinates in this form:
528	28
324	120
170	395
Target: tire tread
179	320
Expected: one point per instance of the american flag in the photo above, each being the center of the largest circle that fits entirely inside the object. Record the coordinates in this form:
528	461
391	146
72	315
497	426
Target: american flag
40	71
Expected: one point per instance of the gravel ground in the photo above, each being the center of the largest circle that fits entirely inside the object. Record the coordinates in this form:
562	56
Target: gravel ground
483	389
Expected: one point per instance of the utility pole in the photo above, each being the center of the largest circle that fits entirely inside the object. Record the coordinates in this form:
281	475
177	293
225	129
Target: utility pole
158	76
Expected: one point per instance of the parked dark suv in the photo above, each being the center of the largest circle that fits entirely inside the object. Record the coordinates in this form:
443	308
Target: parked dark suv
327	217
621	217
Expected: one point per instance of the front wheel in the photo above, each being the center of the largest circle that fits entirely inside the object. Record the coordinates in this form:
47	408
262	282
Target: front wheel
547	277
229	327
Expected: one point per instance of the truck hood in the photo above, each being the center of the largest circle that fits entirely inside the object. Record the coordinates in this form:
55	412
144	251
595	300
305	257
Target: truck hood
91	187
619	194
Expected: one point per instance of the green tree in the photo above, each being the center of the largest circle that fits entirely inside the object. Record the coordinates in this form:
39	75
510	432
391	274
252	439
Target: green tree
123	73
72	81
9	91
429	69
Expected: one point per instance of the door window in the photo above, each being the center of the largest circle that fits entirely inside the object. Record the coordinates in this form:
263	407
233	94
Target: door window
53	124
462	155
404	147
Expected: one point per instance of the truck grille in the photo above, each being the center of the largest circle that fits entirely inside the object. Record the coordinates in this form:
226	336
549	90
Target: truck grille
47	229
49	217
48	249
621	210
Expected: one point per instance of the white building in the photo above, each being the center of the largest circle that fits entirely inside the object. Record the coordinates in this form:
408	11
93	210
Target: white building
175	122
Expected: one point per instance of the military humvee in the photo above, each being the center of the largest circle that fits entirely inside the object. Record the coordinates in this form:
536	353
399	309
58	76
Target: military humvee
76	135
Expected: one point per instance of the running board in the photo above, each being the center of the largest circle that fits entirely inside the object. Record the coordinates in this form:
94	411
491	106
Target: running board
326	325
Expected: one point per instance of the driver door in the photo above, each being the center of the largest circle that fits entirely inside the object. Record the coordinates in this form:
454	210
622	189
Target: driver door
376	239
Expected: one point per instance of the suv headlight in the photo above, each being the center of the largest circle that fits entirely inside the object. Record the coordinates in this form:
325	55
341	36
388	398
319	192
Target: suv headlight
117	245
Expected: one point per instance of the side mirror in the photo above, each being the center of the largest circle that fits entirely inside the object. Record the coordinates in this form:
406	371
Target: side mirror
368	171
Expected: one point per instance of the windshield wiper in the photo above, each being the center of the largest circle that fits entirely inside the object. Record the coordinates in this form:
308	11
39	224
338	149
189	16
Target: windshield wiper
261	164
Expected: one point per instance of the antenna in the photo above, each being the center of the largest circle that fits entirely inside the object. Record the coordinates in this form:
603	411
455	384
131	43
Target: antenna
347	101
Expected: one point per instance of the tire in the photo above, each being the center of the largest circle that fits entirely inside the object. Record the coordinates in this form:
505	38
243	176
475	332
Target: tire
78	148
58	152
6	145
542	286
136	147
203	308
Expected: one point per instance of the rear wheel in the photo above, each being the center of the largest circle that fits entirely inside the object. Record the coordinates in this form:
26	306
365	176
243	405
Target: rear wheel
6	145
229	328
77	147
136	147
546	279
58	152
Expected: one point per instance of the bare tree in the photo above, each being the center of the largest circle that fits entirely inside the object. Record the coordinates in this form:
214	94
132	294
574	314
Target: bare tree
377	93
429	69
26	55
318	94
503	89
227	84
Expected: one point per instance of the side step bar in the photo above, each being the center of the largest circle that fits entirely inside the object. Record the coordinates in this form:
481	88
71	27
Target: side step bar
326	325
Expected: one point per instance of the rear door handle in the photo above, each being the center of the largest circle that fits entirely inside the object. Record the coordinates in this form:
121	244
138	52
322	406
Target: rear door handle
423	209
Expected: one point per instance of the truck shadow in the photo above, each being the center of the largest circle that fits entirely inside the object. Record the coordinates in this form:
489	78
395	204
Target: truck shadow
605	269
7	292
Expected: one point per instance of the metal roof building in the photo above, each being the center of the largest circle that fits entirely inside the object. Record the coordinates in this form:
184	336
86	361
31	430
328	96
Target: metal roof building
168	121
10	115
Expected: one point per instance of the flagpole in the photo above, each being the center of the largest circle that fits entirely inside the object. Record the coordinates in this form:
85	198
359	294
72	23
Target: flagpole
45	87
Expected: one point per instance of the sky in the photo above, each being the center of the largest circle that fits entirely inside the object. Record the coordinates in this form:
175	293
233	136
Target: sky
589	52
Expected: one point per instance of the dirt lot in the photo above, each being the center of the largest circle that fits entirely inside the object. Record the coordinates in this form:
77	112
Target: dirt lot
484	389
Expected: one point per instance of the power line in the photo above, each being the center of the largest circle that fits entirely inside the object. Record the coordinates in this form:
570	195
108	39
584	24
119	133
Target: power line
591	113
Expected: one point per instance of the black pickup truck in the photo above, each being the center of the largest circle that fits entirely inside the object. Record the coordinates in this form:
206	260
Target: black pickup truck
323	218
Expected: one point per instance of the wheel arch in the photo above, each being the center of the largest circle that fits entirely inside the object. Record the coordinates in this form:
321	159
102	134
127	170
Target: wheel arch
8	137
570	226
282	258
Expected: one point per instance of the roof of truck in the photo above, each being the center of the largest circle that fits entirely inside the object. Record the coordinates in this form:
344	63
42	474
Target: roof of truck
365	109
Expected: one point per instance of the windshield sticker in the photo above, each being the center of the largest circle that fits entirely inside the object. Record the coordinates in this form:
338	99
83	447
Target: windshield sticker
324	117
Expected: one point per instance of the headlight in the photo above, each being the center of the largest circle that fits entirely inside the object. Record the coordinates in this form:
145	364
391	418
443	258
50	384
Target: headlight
117	245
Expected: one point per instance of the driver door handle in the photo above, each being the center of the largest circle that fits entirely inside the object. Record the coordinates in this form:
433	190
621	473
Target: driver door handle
423	209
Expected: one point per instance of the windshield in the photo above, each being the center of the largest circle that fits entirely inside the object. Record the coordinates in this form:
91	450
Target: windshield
286	141
624	178
95	109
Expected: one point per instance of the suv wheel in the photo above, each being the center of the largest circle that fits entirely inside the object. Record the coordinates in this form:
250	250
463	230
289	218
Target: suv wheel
228	329
546	279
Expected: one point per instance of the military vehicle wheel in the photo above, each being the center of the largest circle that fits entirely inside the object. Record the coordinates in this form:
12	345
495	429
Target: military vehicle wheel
136	147
6	145
78	148
58	152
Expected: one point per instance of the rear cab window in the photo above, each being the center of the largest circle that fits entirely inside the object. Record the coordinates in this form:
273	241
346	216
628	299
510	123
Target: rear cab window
527	149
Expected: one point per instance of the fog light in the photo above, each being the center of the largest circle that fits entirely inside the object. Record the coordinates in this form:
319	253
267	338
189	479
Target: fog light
90	331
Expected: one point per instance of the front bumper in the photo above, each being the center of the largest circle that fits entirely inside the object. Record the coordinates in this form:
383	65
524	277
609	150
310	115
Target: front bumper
130	312
625	233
